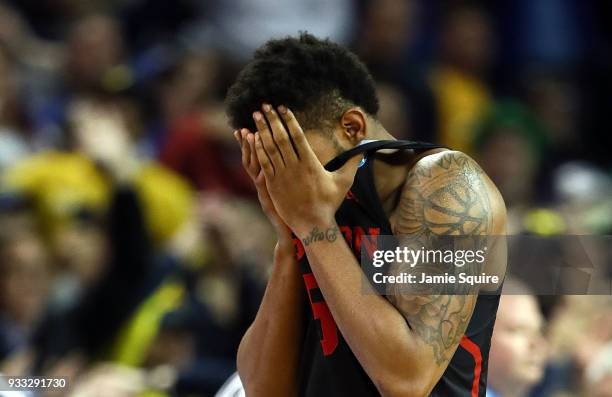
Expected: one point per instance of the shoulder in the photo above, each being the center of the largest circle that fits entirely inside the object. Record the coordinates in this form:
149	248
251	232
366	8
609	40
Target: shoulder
447	193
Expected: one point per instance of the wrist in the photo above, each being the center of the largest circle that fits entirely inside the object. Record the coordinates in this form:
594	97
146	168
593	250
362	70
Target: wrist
317	230
283	232
322	219
284	248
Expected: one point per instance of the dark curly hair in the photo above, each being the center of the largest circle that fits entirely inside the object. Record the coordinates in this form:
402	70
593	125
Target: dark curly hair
317	79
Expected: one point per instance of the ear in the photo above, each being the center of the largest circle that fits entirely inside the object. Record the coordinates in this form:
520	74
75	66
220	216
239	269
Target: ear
354	124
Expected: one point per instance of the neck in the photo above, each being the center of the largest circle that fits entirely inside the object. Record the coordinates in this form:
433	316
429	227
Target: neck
390	171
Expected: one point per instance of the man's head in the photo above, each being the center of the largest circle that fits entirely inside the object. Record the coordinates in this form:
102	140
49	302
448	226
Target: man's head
24	262
329	90
518	347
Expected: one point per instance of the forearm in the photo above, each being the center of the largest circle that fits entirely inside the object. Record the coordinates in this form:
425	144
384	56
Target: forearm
269	351
375	330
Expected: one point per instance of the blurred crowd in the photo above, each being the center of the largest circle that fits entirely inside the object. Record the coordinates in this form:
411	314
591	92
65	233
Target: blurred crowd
133	253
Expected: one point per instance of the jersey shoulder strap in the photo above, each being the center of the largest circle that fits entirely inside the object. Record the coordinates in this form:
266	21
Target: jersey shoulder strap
373	146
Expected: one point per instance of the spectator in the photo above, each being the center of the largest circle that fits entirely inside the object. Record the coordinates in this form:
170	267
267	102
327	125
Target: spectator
389	32
555	100
14	144
510	145
94	66
599	373
25	269
518	347
459	81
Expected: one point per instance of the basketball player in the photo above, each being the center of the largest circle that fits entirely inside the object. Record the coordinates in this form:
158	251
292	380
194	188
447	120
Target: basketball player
302	103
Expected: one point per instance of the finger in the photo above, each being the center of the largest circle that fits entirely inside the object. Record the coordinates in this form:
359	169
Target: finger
262	156
279	134
302	147
345	175
250	162
262	189
260	184
244	149
254	164
267	142
238	137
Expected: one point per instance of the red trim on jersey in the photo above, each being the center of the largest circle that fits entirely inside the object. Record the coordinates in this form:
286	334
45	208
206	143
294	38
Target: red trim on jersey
320	311
474	350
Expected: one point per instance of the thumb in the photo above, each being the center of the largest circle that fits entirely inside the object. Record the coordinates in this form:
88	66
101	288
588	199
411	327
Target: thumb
345	175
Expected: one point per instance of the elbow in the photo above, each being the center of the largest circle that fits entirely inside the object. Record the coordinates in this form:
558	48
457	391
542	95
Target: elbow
246	366
240	355
249	383
242	361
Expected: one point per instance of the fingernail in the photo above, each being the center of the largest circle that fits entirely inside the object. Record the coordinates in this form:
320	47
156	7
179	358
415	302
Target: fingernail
257	116
282	109
266	107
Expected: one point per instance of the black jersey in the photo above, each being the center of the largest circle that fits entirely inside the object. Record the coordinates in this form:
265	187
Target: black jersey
327	365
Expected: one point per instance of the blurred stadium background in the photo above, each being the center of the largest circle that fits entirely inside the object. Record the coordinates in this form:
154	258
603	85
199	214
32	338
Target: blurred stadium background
132	250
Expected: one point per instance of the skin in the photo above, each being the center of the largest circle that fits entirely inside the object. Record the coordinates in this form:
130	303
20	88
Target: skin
518	347
406	347
268	354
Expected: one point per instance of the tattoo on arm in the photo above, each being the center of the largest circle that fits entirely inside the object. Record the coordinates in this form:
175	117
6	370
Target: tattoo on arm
329	235
445	195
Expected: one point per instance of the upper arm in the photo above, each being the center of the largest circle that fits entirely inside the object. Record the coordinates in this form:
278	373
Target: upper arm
446	194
